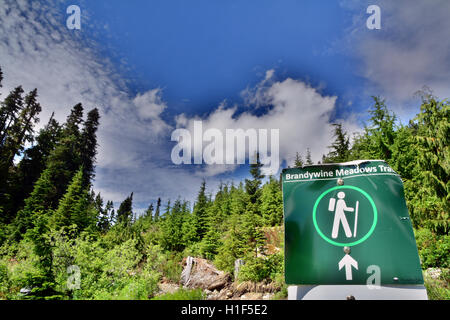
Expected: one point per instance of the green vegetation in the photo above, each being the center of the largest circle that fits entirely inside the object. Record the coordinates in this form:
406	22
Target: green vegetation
51	219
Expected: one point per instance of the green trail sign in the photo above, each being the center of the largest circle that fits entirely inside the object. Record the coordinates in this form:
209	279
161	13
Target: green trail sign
346	222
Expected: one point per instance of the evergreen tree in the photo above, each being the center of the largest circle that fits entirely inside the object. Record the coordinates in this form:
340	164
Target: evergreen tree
298	163
166	210
74	207
125	211
251	220
40	200
378	138
382	129
428	191
340	148
157	210
272	203
172	227
149	212
103	213
200	212
89	145
238	199
308	157
33	163
234	245
252	187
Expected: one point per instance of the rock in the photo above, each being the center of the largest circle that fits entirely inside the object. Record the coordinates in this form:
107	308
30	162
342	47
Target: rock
25	291
199	273
267	296
165	287
434	273
252	296
220	282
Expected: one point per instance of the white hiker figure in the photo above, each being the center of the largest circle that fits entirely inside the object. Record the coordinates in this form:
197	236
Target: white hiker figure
339	215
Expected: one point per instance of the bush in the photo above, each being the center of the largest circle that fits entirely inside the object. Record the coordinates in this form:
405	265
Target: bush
434	250
4	281
167	264
182	294
438	289
262	268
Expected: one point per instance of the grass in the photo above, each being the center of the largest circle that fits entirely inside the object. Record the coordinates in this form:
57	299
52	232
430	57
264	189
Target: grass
182	294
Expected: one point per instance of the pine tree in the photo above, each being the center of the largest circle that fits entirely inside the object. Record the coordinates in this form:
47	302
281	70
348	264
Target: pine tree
33	163
428	191
157	210
272	203
378	138
382	129
89	145
20	130
251	220
103	213
238	199
200	212
74	207
166	210
125	211
308	157
9	114
340	148
234	245
252	187
172	227
40	200
149	212
298	163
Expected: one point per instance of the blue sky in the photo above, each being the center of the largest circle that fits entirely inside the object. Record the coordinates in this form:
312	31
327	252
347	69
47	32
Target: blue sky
154	66
203	52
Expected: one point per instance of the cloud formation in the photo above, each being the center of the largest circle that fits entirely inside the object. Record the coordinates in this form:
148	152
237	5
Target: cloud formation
300	113
410	51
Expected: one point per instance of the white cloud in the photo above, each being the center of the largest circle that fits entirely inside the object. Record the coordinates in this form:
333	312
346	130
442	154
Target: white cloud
300	113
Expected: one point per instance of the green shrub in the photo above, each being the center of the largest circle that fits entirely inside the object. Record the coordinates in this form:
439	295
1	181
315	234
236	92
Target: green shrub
182	294
262	268
434	250
438	289
168	264
4	281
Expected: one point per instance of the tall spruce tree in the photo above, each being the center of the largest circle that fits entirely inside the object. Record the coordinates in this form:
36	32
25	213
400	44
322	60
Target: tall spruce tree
428	190
89	145
75	207
298	162
340	148
308	157
125	211
272	203
39	201
201	212
158	209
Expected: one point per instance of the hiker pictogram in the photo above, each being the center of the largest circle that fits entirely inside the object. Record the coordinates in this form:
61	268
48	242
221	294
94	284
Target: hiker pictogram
339	208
